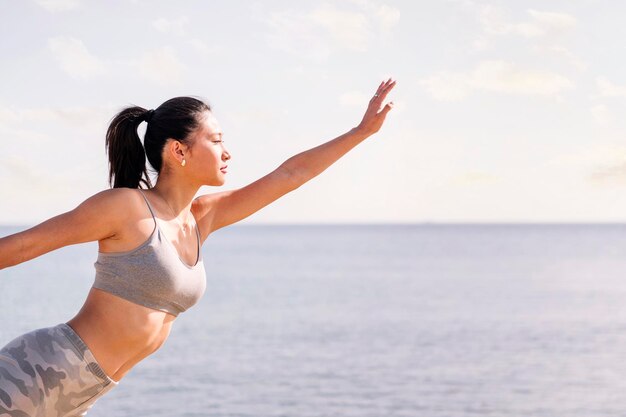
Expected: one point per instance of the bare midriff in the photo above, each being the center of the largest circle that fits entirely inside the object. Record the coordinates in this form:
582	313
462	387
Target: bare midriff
118	332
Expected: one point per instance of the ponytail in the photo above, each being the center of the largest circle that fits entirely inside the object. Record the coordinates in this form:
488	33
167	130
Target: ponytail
127	158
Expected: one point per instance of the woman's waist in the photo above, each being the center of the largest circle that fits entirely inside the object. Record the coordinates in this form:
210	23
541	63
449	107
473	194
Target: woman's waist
120	333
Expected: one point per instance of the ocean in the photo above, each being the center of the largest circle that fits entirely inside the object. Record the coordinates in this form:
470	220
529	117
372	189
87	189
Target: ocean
370	321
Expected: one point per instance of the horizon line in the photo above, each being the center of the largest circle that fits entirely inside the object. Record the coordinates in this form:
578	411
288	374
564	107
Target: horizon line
402	223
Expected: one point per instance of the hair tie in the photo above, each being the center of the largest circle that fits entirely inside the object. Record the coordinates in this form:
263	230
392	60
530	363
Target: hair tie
147	116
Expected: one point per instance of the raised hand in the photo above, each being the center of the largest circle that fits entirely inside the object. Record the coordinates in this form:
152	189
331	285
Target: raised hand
374	116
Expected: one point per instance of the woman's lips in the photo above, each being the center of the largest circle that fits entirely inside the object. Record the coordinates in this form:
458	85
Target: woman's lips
223	169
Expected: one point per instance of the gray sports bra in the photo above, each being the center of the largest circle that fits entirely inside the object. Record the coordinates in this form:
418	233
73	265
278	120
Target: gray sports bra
152	275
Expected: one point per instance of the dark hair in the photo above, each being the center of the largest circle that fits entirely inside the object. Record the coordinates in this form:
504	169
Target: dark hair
175	119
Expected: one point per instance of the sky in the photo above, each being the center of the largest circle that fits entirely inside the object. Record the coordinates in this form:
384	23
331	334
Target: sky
505	111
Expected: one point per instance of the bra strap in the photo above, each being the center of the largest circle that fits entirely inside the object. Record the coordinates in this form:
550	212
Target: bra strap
148	203
194	220
198	237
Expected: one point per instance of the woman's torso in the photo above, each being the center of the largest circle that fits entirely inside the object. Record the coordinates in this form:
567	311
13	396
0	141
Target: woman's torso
121	333
118	332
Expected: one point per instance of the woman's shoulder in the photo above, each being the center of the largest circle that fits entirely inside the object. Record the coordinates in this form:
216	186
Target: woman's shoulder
117	205
118	195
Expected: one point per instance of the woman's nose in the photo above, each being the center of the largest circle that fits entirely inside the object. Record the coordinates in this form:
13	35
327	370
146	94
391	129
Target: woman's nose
225	155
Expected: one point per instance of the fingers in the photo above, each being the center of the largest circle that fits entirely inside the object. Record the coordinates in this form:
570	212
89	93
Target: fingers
383	89
386	109
385	86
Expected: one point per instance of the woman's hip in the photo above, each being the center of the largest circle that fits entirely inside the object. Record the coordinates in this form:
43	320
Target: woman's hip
50	371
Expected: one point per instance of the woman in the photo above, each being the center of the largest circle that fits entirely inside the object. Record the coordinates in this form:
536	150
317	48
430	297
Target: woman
149	266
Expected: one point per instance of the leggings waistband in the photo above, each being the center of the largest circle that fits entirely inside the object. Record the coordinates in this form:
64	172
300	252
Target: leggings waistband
83	351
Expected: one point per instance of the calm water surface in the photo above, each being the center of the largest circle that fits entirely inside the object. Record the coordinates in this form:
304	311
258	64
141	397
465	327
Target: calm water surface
421	320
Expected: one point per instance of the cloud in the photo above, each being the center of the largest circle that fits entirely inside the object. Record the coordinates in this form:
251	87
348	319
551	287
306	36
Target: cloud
74	58
24	135
504	77
69	115
297	35
601	114
614	174
40	125
481	44
319	32
600	159
448	86
348	29
495	76
354	99
11	115
564	53
599	164
200	46
475	178
315	34
494	22
544	29
27	171
203	49
608	89
59	5
382	17
550	21
161	66
462	3
387	17
596	155
174	26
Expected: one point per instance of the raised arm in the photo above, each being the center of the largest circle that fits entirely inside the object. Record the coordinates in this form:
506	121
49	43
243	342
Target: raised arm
96	218
214	211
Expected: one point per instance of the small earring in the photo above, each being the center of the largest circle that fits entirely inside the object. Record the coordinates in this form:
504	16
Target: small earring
183	163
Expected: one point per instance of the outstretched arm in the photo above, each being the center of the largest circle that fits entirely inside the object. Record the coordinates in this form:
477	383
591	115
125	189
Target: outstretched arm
96	218
214	211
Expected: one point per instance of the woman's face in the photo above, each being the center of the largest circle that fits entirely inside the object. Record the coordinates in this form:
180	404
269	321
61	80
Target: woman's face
207	154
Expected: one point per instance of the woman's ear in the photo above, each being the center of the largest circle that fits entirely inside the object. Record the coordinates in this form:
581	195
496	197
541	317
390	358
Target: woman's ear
177	150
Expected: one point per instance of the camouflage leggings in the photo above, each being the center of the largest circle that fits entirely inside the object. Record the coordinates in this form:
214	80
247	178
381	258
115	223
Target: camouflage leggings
50	372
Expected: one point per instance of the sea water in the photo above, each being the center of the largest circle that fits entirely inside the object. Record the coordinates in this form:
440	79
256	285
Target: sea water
371	320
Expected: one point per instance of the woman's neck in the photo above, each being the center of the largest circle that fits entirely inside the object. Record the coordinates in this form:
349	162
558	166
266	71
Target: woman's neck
176	194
